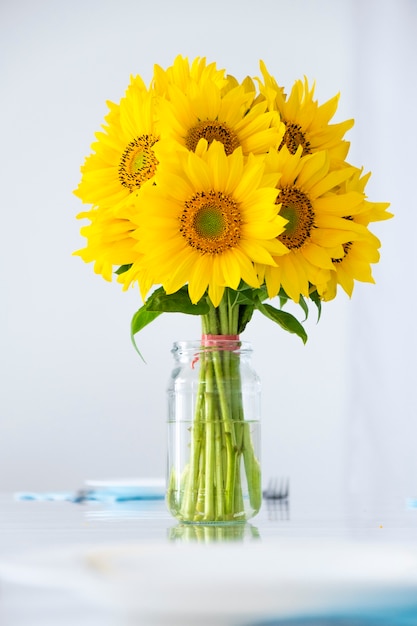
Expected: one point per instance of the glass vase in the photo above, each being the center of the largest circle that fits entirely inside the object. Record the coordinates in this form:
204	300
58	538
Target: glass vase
214	473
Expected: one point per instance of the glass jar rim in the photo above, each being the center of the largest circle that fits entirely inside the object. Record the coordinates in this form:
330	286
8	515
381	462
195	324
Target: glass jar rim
196	345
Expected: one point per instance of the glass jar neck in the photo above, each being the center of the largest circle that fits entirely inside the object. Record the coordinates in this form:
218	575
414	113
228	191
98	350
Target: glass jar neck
208	343
222	342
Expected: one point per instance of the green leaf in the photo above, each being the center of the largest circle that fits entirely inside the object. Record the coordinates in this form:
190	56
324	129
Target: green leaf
232	297
141	318
283	298
178	302
123	268
314	296
160	302
243	297
261	293
287	321
303	304
244	293
245	316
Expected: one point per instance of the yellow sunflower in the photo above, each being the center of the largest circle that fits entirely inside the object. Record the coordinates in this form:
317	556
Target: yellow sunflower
123	160
109	237
314	204
370	211
354	265
182	74
206	223
358	255
228	114
306	123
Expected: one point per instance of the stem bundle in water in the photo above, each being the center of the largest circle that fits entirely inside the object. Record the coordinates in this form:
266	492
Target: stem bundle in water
216	476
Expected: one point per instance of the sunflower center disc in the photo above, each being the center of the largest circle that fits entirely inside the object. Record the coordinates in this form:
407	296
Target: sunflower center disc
293	137
297	209
210	222
138	163
212	130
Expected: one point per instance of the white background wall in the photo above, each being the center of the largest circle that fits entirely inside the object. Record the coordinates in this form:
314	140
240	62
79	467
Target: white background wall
76	401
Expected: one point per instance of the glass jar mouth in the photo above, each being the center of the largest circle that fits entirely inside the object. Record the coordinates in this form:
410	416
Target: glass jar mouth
203	345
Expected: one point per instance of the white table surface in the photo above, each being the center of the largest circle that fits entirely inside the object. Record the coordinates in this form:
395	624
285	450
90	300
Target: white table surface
66	564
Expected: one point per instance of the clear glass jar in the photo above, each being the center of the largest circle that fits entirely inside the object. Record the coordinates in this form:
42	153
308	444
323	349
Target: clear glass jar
213	473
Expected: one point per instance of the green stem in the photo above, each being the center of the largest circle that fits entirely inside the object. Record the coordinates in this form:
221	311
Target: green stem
252	469
191	489
209	482
220	504
220	439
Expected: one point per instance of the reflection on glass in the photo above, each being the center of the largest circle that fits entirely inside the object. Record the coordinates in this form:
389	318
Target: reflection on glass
207	533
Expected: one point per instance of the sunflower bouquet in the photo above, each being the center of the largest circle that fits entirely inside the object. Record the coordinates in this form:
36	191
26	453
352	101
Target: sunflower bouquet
218	198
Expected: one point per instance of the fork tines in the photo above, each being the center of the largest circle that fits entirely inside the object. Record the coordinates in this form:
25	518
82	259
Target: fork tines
277	489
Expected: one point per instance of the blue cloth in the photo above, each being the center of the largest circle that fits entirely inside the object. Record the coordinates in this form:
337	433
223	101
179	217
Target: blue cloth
94	495
387	617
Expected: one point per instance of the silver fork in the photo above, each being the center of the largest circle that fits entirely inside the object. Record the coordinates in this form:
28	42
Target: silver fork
277	489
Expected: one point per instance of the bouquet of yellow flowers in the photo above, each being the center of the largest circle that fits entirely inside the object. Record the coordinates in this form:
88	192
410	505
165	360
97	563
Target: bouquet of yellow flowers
216	197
